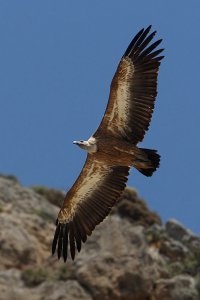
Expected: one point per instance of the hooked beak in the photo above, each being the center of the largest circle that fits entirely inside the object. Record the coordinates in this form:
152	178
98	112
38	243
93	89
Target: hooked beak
75	142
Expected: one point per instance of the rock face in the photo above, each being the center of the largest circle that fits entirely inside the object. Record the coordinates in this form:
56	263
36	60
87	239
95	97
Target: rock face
130	256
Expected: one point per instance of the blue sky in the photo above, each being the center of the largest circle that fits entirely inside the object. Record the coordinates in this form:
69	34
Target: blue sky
57	59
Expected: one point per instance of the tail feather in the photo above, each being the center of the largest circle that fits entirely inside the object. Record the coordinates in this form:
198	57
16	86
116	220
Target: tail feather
148	161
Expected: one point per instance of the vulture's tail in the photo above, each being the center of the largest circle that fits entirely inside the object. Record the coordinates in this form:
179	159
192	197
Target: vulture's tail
147	161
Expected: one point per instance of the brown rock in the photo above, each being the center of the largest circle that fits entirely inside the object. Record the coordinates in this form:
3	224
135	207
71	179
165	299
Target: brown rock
130	256
133	208
70	290
177	288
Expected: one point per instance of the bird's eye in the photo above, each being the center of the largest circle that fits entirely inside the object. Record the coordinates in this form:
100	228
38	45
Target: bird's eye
81	141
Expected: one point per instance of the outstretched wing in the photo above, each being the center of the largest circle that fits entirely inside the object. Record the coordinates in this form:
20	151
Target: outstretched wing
133	90
87	203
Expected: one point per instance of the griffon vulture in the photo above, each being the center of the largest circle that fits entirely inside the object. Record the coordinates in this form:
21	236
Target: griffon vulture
112	149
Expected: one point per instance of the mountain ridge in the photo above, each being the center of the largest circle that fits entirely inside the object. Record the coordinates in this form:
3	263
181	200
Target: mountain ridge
132	255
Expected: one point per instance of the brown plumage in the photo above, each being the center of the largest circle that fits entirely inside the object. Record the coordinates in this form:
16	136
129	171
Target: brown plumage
112	149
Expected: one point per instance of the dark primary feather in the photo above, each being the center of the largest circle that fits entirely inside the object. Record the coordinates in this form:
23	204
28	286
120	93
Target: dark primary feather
145	42
133	42
56	235
71	240
137	40
65	241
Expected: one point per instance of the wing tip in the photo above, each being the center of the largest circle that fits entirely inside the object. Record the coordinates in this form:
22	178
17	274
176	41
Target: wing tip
140	42
65	237
150	26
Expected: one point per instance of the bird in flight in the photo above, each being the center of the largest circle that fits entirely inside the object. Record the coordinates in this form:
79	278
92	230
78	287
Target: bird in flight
112	149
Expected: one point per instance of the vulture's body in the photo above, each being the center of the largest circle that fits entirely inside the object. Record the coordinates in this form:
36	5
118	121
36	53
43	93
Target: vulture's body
112	150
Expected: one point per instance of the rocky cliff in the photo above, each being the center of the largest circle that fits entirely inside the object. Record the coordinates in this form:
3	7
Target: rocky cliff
130	256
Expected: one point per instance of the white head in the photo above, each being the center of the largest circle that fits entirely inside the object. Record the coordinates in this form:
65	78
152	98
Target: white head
89	145
82	144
